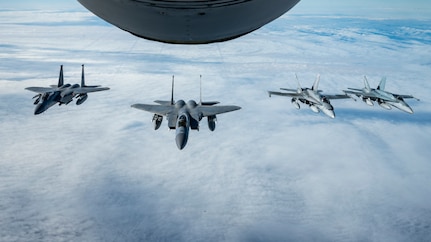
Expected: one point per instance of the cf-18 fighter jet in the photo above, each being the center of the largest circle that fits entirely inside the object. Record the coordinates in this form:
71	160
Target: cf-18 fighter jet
383	98
311	97
62	93
184	116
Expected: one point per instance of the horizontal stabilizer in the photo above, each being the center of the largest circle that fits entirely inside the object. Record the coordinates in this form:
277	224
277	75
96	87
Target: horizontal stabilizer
41	90
288	89
214	110
162	102
209	103
83	90
158	109
283	94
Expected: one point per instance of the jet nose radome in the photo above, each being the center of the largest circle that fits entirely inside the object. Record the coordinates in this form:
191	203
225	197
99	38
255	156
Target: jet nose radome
40	108
181	137
329	113
403	107
409	110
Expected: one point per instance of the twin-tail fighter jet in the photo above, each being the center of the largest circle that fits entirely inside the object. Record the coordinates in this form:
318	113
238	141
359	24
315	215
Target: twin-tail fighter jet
312	97
62	93
384	98
184	116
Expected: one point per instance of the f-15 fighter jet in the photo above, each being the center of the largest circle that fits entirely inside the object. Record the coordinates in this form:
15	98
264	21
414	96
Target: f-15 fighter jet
62	93
184	116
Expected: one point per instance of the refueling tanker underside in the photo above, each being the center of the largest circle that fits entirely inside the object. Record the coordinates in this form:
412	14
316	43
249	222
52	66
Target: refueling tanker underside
189	21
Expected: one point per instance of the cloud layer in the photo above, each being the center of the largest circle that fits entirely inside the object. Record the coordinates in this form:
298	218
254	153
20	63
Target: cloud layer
99	172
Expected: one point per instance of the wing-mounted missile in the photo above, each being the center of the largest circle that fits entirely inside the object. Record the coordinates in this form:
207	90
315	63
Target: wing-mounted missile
81	98
368	101
295	103
351	95
314	108
384	105
212	122
157	121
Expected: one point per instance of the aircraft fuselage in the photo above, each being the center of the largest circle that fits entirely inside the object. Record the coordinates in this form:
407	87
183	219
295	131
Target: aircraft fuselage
64	95
317	102
387	99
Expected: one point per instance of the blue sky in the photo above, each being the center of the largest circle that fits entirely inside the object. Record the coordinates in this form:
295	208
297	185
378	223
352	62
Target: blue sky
421	7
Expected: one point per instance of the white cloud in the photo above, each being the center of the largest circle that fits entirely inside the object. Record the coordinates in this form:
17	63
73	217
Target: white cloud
268	173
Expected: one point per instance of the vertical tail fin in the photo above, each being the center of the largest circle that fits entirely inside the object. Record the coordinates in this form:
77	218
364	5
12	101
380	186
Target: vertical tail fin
316	83
82	77
60	77
367	86
299	90
172	94
200	89
382	84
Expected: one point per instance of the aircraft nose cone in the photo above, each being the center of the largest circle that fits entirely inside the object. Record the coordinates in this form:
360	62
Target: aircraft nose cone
181	140
181	137
406	108
39	109
329	113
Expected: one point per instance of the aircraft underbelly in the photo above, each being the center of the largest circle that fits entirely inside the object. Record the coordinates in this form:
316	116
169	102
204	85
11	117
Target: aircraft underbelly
189	21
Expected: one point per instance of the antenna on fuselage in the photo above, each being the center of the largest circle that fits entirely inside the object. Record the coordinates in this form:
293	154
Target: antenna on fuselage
172	94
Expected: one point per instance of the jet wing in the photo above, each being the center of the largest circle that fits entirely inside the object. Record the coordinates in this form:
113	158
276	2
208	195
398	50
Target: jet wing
213	110
82	90
335	96
288	89
405	96
288	94
162	102
41	90
157	109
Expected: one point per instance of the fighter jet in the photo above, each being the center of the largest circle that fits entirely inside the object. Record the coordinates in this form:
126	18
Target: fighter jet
189	21
384	98
311	97
62	93
184	116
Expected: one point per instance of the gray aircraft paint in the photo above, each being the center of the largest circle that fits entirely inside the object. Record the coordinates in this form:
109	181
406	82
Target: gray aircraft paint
385	99
312	97
184	116
62	93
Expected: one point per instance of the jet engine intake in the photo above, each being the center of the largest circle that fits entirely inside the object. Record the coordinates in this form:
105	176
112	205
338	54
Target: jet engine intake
38	96
81	99
157	121
212	122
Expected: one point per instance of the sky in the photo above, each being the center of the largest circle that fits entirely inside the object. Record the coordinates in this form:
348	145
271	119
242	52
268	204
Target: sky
269	172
